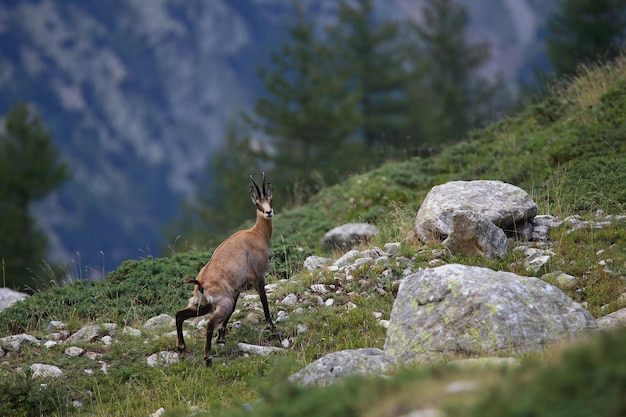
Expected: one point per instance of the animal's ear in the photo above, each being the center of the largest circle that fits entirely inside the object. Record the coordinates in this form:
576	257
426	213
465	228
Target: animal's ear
253	194
268	192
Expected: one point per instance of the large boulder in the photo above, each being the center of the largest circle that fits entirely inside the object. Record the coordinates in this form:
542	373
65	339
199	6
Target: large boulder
457	310
338	365
505	205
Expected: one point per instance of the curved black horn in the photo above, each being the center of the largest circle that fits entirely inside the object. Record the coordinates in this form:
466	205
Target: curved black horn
256	186
264	193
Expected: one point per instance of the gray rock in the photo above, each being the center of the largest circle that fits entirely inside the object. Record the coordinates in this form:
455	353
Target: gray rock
504	205
88	333
614	320
348	235
486	362
392	248
14	343
472	233
290	300
311	263
162	320
8	297
346	258
456	309
535	258
258	350
74	351
41	370
338	365
164	358
56	325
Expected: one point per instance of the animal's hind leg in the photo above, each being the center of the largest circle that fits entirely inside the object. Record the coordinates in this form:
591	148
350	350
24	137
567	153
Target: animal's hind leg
221	332
184	314
219	315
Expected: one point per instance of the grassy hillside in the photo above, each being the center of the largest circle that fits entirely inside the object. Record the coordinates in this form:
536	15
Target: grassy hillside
568	152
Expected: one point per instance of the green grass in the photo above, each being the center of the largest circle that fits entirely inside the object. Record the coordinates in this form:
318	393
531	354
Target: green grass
568	152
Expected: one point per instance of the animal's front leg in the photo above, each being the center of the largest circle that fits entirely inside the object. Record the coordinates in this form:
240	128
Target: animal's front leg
266	310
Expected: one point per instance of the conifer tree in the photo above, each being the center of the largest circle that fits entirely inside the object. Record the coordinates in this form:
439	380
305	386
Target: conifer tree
307	113
30	169
449	95
585	31
221	202
369	60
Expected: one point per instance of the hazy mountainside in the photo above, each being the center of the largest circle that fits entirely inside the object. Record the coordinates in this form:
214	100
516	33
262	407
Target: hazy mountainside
137	95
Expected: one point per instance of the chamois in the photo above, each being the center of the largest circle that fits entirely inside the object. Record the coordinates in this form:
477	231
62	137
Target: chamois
237	263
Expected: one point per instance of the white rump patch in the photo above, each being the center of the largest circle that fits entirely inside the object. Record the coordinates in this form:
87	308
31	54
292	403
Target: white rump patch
201	300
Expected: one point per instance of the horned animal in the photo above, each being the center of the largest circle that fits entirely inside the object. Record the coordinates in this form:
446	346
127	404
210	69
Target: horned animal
236	264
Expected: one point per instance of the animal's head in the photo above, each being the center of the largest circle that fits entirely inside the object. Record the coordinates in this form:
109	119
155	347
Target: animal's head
262	197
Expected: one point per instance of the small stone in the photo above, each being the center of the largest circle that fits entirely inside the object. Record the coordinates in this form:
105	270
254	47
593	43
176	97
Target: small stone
56	325
161	320
74	351
40	370
319	288
258	350
163	358
290	300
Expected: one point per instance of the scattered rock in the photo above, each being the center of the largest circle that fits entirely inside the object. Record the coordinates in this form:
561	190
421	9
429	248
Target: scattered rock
164	358
131	331
348	235
40	370
14	343
335	366
74	351
614	320
162	320
258	350
290	300
56	325
312	263
486	362
88	333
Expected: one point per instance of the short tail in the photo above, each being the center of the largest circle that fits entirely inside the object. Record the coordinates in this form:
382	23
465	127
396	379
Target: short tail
190	280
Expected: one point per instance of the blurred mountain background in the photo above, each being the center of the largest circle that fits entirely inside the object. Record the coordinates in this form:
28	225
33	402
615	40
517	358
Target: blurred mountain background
138	95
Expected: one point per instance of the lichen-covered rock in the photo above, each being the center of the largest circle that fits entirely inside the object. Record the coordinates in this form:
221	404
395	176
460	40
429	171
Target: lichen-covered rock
335	366
457	310
505	205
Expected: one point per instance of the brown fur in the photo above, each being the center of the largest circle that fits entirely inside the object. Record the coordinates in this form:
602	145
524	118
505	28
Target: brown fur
239	262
